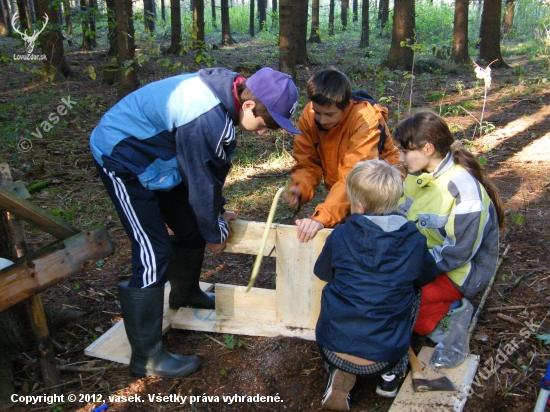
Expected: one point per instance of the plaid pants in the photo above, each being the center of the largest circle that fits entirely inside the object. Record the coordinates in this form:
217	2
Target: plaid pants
398	367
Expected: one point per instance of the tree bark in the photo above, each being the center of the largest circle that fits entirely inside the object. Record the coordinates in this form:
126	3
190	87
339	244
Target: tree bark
111	24
364	42
127	80
489	45
25	22
262	14
88	25
508	20
52	44
163	10
198	21
315	35
383	14
67	16
300	36
6	18
213	11
401	57
460	53
355	10
175	27
287	50
150	14
226	27
331	18
251	29
344	14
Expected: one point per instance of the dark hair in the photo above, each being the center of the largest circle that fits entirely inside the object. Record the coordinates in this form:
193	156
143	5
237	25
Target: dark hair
260	109
329	86
427	127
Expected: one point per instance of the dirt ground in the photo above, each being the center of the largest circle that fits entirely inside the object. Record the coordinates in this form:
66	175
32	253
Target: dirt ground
518	158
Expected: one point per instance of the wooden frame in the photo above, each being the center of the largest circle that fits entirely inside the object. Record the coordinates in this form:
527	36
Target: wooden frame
291	309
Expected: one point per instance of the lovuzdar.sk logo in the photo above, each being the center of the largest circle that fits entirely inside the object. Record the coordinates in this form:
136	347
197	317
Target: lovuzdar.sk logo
28	39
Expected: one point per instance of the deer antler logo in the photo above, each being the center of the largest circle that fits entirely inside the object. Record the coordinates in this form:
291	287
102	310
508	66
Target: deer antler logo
29	40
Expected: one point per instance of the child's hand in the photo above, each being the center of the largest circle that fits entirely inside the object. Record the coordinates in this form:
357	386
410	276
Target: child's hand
228	216
308	228
292	196
216	248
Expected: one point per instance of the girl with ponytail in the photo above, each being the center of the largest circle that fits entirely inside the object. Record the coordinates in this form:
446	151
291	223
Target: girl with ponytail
454	203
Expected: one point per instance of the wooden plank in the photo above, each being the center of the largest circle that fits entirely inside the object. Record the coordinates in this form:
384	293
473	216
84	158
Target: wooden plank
113	345
207	320
246	236
257	304
298	289
35	215
42	268
462	376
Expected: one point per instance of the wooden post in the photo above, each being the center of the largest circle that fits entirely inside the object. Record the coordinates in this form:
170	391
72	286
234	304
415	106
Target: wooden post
45	353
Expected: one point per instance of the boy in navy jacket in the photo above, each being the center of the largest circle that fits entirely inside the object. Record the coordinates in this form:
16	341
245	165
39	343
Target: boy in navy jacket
374	264
163	153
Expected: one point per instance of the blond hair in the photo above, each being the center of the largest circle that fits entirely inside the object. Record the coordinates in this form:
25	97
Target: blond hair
376	185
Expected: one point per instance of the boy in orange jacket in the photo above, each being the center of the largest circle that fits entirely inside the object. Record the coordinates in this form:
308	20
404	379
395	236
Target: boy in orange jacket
339	128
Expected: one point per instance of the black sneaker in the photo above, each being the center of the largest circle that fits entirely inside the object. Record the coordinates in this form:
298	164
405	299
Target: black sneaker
387	385
336	397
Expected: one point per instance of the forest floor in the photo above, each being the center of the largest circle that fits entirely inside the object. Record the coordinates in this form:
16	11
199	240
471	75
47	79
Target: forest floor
517	151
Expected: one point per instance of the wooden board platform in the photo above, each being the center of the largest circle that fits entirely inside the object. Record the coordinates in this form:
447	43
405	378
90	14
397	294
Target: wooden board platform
408	400
113	345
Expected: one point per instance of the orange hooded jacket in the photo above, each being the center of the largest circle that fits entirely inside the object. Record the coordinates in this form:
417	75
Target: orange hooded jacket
331	154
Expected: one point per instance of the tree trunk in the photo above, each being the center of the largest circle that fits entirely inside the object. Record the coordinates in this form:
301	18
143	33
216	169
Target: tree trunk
383	14
175	27
274	14
401	57
508	20
127	80
213	10
226	27
67	16
25	22
287	50
300	36
331	18
88	25
93	10
149	14
355	10
262	14
5	20
489	45
344	14
251	22
163	10
111	24
459	53
198	21
52	44
364	43
315	35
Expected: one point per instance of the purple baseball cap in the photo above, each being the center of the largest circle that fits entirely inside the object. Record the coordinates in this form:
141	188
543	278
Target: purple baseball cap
278	93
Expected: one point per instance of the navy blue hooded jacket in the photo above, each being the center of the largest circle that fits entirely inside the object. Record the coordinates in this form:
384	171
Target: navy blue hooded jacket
374	265
179	129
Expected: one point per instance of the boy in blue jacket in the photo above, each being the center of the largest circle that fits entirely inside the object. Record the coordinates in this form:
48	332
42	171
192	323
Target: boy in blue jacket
374	264
163	153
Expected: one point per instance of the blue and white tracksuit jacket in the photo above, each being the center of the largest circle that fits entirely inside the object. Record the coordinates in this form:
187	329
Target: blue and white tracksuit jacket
453	210
176	130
